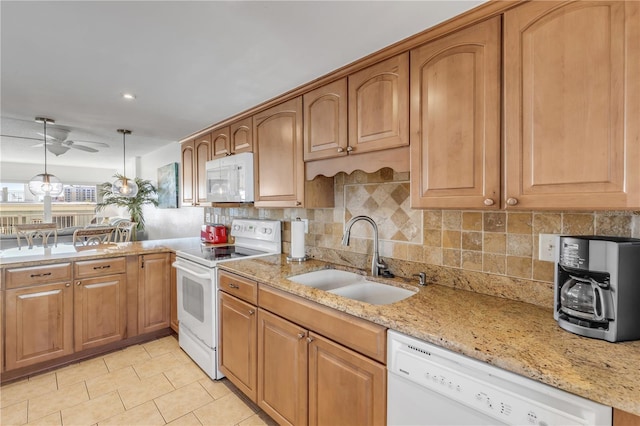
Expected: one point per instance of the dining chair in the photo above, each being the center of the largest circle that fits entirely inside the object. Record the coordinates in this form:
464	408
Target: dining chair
35	231
92	236
124	230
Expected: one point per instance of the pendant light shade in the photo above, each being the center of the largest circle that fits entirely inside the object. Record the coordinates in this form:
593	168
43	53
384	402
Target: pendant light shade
124	187
45	183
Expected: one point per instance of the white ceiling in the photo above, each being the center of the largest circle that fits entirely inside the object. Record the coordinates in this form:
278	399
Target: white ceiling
190	63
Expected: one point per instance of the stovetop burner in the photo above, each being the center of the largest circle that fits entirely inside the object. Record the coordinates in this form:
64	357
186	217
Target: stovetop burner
210	252
253	237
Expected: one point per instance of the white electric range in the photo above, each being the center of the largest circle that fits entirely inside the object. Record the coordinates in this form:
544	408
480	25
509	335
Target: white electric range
197	279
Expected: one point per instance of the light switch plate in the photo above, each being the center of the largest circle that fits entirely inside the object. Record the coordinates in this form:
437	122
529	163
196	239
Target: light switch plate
547	247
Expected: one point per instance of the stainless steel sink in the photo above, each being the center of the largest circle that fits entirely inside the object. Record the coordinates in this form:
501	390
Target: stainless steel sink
353	286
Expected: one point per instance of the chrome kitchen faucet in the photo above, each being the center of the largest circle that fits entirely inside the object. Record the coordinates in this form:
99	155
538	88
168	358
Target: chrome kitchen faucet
377	264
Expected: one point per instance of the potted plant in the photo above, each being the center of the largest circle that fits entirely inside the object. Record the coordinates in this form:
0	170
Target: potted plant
147	194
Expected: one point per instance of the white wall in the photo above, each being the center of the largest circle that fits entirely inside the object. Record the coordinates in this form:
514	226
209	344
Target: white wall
167	223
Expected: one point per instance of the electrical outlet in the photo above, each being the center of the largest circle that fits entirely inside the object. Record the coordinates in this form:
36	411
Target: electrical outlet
547	247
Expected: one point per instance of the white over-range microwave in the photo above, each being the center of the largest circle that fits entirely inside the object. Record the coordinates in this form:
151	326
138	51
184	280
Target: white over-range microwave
230	179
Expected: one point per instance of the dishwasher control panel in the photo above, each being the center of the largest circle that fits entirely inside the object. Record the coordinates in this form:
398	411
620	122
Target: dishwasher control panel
499	394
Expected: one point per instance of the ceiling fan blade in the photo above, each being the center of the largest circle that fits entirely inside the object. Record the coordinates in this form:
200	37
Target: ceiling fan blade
21	137
106	145
83	148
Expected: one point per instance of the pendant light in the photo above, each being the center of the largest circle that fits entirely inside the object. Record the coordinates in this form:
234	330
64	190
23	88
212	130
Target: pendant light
44	183
124	187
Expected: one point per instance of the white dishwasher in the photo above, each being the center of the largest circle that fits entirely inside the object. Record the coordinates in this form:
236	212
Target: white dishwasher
429	385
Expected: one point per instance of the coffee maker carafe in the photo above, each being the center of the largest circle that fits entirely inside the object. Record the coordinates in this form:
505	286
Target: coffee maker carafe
597	286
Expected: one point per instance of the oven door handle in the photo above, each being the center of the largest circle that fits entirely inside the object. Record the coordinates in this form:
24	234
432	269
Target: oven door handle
181	266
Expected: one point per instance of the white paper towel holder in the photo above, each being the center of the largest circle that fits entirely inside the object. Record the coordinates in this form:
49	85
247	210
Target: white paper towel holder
297	259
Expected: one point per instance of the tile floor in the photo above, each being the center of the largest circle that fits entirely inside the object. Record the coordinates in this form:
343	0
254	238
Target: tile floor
154	383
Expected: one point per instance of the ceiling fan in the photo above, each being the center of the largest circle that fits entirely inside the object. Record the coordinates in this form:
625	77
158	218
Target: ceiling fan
58	142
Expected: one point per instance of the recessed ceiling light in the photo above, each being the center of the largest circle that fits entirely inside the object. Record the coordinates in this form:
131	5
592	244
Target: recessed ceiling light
129	96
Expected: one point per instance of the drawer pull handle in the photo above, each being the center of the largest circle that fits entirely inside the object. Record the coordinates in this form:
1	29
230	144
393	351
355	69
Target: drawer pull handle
78	282
301	335
232	285
101	267
46	274
252	311
309	339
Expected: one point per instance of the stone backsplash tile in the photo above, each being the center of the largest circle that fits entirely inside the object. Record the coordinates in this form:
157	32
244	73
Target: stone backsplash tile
493	252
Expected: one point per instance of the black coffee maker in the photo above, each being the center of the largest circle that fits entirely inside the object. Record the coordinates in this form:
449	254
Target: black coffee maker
597	286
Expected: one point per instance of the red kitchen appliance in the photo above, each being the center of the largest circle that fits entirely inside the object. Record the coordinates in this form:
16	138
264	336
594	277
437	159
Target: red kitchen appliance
215	234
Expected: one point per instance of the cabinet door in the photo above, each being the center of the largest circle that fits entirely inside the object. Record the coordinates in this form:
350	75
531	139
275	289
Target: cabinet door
455	120
187	174
202	151
220	143
279	167
379	106
241	135
153	292
282	369
572	98
238	343
173	296
39	324
100	311
325	121
344	387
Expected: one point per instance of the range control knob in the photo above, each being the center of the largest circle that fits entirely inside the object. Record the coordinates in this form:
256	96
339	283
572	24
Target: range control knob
267	231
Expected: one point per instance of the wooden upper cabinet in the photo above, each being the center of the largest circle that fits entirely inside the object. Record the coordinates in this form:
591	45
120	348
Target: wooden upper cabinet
379	106
220	143
279	167
455	120
187	174
241	136
202	149
572	102
194	156
325	121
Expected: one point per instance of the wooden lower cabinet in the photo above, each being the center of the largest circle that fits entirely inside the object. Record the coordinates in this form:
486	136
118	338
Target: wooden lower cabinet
623	418
282	369
173	296
238	343
344	386
100	311
304	378
153	292
39	324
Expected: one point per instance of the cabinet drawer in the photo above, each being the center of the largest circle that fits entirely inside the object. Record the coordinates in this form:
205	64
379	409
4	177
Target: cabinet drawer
358	334
89	268
240	287
21	277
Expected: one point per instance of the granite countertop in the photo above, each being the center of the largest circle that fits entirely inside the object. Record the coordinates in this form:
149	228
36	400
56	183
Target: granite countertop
24	256
515	336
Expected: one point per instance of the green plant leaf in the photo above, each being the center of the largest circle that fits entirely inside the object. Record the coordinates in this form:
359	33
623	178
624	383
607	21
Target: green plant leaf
147	194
